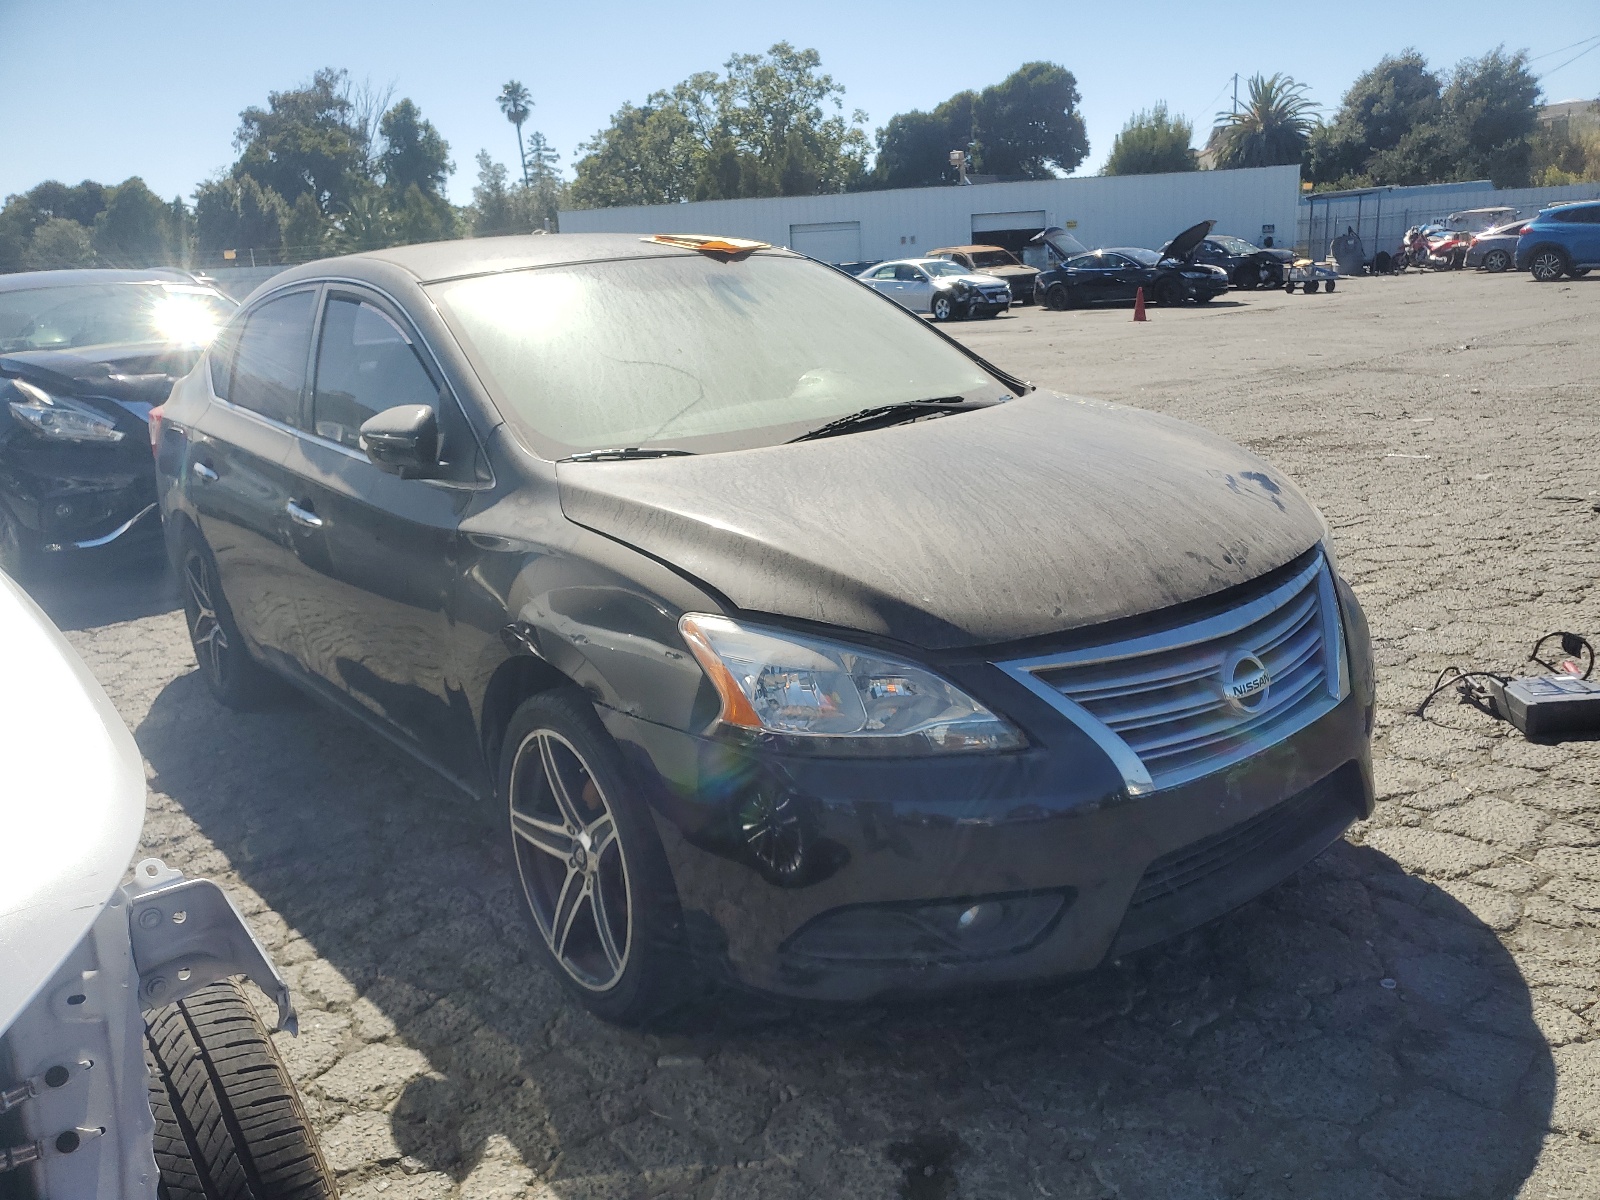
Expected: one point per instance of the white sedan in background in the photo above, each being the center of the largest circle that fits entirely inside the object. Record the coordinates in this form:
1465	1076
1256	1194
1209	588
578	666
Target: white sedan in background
939	287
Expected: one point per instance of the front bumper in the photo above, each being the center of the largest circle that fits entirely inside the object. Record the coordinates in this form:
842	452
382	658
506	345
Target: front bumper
73	497
788	867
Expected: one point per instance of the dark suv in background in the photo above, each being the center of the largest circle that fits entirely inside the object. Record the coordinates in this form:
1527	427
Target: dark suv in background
84	357
1562	240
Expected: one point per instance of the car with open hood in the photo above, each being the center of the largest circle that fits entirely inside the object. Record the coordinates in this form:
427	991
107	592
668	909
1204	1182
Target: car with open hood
1248	265
85	356
132	1065
996	261
796	644
1118	273
943	289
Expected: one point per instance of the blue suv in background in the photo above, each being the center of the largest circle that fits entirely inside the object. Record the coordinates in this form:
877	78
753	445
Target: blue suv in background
1561	240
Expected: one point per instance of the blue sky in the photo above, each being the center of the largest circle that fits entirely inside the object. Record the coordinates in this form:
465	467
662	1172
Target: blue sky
101	89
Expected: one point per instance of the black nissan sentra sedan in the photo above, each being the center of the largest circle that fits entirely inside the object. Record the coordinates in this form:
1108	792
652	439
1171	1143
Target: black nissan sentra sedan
797	642
84	357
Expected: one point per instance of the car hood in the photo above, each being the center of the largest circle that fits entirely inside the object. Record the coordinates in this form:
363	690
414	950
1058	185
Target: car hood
1059	240
975	278
1039	515
72	805
1182	246
141	374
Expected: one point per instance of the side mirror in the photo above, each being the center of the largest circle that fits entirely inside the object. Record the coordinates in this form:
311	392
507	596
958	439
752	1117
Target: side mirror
403	441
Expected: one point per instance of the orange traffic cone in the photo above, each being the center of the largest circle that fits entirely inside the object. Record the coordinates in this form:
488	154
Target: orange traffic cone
1138	306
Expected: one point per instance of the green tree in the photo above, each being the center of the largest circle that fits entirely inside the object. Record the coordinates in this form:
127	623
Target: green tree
1563	154
1028	124
1377	113
306	232
57	243
493	212
516	103
1492	108
82	203
1272	129
136	229
414	154
306	140
237	213
1153	142
763	129
367	224
421	218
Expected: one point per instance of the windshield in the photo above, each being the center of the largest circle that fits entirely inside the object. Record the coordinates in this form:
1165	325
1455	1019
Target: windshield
1234	245
68	316
939	266
1148	258
693	353
993	258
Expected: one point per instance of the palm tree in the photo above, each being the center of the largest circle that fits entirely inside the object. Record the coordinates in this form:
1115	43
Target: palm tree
1270	130
516	103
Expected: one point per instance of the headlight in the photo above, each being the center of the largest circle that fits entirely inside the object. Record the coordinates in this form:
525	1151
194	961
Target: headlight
850	701
60	419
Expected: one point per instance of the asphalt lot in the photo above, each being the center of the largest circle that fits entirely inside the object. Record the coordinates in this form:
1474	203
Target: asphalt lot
1416	1014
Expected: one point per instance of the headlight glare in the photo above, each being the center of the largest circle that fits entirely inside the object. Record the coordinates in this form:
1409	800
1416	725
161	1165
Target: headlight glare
860	703
60	419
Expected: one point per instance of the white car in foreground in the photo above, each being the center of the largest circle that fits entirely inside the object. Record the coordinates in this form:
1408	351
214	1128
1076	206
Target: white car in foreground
131	1063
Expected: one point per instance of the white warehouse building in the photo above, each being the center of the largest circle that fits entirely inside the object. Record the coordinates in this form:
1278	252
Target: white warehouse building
1125	210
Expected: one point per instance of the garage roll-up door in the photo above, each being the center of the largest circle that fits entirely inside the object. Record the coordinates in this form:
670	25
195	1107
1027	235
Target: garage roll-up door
831	242
991	222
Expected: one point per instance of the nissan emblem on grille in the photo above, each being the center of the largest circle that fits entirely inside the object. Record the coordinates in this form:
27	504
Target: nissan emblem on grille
1245	681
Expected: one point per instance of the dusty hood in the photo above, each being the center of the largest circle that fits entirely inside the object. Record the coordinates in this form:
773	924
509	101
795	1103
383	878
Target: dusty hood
1039	515
72	805
1182	246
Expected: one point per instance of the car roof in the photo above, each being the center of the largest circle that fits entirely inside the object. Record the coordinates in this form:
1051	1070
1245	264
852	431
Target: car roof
80	276
966	250
1568	204
431	262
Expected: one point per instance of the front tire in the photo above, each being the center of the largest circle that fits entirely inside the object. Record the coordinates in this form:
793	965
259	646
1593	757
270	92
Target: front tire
1549	264
229	1123
942	308
235	679
1496	261
1168	292
595	879
1058	298
1312	285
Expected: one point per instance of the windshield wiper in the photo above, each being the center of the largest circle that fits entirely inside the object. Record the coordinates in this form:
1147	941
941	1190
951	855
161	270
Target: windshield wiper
621	453
883	415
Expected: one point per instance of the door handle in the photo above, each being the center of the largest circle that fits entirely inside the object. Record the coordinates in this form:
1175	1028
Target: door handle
202	472
303	516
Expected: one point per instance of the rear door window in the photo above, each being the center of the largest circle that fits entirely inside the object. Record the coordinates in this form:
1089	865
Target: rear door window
269	367
365	364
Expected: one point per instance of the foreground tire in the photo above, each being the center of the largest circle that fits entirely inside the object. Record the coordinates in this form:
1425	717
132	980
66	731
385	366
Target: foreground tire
1330	285
229	1123
1058	299
1497	261
1312	285
943	308
231	675
1548	264
596	881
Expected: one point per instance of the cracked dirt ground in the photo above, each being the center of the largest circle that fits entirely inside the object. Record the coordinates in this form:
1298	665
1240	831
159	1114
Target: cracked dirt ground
1415	1014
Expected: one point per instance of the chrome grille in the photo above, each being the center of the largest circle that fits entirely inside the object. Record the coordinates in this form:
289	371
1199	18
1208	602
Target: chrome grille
1157	703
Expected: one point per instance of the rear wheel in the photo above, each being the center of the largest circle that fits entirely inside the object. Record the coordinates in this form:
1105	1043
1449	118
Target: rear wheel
1549	264
1330	285
1580	272
229	1123
1312	285
1496	261
231	675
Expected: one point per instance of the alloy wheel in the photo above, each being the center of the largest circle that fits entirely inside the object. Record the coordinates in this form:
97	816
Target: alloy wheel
941	308
1496	261
1547	266
206	633
573	868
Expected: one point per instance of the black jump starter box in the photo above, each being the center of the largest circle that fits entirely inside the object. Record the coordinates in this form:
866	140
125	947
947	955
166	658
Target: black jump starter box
1548	706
